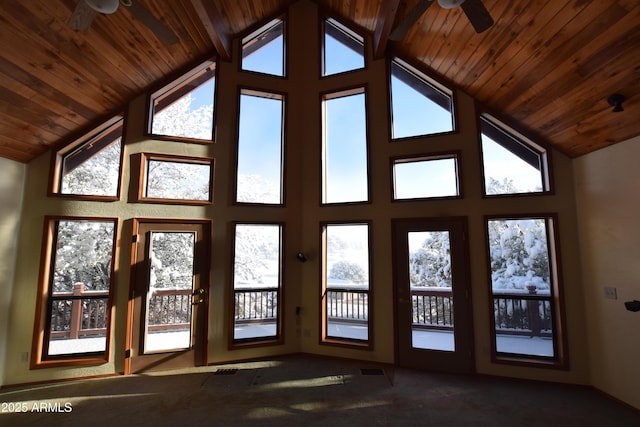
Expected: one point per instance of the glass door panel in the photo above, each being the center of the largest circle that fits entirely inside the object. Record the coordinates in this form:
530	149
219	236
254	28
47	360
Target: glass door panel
431	290
169	295
431	271
170	287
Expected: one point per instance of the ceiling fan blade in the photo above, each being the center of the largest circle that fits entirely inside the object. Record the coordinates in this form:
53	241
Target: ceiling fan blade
159	29
478	15
82	16
408	21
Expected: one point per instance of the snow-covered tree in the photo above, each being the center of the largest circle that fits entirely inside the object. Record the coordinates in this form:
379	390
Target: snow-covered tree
98	175
350	271
83	255
175	180
257	247
172	260
256	189
180	119
519	254
505	186
430	265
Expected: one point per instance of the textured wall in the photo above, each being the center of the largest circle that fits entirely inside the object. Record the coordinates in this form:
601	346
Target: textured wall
607	183
11	189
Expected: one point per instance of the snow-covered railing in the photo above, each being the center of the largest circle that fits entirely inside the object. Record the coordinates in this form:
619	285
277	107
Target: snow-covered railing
169	309
522	312
347	304
83	313
432	307
256	305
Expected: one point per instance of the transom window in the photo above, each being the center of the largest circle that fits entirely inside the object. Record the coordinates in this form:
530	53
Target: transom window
426	177
419	105
91	166
185	107
511	163
176	179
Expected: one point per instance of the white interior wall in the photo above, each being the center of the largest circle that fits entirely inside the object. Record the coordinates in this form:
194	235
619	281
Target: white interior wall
607	183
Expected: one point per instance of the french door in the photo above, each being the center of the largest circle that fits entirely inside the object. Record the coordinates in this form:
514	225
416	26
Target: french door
169	290
432	294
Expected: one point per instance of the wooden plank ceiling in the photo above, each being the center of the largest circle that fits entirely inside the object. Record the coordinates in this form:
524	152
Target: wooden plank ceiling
547	66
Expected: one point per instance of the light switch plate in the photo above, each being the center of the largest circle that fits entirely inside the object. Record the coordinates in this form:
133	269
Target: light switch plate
610	292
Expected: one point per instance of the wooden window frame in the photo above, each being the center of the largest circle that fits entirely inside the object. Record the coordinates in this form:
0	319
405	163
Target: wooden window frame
516	143
433	86
99	136
39	356
278	339
139	175
560	360
455	155
335	94
176	89
268	94
325	338
348	36
252	38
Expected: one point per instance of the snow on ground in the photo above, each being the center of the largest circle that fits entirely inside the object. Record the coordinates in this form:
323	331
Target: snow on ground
421	339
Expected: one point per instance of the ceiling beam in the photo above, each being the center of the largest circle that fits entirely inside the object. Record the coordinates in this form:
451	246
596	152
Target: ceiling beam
384	24
213	23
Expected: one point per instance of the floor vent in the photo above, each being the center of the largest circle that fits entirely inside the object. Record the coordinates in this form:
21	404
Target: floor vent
225	372
372	371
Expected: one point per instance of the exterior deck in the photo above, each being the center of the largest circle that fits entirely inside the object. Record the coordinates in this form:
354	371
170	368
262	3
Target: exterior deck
522	321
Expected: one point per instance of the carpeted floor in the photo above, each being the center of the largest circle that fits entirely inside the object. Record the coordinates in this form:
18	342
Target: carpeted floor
309	391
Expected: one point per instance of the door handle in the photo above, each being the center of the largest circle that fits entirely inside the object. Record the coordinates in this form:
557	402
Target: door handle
199	293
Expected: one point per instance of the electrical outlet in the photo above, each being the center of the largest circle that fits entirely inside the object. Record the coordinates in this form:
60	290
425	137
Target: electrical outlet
610	293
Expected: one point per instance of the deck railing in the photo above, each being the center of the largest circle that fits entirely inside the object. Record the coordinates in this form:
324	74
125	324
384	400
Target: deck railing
79	313
515	313
84	313
256	305
169	309
432	308
523	314
348	305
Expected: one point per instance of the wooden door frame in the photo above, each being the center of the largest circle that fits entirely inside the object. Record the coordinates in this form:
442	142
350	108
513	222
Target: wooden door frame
464	271
200	355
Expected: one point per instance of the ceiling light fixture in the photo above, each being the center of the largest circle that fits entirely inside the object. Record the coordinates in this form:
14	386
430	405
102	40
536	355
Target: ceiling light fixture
450	4
616	101
103	6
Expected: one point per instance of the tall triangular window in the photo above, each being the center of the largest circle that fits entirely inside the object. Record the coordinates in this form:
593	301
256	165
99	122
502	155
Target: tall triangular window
419	105
342	49
91	165
511	163
185	107
263	51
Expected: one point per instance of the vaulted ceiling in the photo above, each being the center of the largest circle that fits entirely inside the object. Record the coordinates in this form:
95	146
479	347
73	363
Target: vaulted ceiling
547	66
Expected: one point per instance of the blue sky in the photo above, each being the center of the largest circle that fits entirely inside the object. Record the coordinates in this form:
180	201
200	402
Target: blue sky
345	131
